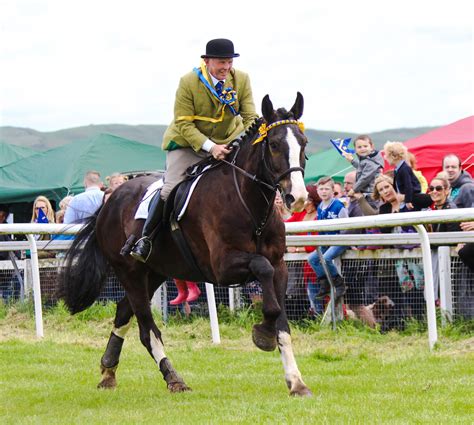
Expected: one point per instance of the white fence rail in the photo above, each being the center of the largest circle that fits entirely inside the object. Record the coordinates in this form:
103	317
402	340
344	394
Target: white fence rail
417	219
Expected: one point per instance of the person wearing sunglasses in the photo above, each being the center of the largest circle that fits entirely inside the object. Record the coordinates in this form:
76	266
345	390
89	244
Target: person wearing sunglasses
462	291
439	190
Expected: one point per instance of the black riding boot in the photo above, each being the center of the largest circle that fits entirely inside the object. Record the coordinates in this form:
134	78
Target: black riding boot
142	249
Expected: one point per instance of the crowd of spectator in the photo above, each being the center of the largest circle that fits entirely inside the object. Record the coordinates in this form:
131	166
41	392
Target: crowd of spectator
368	191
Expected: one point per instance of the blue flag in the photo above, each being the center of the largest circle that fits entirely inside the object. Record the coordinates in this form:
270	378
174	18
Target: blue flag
42	217
342	145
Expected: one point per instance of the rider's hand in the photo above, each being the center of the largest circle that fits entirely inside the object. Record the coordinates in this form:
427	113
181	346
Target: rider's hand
219	151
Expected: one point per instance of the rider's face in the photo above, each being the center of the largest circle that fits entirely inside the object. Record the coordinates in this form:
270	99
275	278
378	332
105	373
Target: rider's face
218	67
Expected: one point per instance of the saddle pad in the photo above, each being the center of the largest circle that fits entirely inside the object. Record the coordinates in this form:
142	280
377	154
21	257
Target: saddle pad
188	197
142	210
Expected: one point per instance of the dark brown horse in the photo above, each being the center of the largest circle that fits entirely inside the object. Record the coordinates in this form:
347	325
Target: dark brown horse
232	229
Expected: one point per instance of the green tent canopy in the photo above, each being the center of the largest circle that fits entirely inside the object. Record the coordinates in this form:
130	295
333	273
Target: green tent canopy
11	153
59	171
326	163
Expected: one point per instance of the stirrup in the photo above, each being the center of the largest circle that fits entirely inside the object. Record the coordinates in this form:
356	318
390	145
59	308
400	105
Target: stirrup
139	255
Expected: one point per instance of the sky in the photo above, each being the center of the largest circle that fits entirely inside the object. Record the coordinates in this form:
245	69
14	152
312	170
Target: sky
362	66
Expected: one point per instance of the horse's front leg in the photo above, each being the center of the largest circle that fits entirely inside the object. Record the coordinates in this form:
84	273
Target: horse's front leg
293	378
264	334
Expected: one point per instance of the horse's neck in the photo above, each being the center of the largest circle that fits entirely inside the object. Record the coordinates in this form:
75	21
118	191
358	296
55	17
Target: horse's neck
250	159
254	194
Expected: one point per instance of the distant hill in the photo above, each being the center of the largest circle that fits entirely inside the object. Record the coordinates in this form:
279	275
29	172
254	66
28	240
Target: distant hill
152	134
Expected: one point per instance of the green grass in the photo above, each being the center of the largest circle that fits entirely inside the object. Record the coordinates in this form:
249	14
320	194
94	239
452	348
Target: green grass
357	375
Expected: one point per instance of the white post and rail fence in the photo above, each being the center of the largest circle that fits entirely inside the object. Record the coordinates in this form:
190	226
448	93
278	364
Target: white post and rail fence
416	219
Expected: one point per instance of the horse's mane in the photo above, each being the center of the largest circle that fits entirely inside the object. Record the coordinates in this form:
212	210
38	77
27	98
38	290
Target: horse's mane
251	131
281	113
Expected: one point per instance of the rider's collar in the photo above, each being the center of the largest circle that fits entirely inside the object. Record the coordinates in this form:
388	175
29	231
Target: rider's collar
214	79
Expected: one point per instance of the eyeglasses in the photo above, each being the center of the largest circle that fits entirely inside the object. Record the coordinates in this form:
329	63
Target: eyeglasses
435	188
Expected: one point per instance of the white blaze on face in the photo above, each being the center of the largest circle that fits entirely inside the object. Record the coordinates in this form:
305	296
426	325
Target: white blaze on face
298	189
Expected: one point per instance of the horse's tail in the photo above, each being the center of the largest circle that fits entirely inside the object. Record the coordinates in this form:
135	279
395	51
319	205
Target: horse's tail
85	269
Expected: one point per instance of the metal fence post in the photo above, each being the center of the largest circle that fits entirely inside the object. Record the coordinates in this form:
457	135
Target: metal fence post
232	299
429	287
211	302
36	286
446	295
164	299
331	284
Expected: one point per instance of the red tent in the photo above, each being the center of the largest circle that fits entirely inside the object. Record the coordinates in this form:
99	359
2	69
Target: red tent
430	148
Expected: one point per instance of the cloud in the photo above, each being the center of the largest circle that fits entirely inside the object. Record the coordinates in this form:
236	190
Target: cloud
362	66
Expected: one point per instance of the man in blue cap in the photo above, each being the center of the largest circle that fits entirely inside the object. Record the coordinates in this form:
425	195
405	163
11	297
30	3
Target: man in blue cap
213	106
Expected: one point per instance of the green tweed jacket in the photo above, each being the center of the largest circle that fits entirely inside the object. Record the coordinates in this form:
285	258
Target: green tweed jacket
194	99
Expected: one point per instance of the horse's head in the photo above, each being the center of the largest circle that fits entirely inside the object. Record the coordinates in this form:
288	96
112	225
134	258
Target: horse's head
286	144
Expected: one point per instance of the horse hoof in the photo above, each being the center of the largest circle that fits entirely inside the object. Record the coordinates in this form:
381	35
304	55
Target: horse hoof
108	383
301	392
178	387
263	339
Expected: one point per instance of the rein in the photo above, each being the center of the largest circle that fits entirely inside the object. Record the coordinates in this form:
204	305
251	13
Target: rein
263	131
258	226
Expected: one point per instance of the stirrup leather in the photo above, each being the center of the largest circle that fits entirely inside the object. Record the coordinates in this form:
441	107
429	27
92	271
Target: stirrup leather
148	244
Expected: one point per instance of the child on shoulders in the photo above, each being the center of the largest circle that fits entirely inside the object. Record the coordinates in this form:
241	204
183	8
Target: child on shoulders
369	164
405	181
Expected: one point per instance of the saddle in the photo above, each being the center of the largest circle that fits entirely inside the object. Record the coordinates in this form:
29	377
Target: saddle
179	197
175	209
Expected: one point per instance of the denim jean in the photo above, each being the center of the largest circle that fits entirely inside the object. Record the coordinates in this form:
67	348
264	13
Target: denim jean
329	254
316	305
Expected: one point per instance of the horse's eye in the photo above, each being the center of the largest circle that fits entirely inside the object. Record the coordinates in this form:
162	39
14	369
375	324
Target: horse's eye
273	145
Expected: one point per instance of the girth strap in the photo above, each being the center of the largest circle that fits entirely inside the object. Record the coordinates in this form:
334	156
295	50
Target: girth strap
183	246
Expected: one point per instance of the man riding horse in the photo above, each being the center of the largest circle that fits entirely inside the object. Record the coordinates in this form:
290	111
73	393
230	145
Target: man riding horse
213	106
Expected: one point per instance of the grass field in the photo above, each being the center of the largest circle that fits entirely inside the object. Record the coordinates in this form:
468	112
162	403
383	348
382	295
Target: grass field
356	375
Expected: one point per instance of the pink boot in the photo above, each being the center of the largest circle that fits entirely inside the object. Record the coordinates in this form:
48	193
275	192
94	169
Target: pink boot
182	292
193	292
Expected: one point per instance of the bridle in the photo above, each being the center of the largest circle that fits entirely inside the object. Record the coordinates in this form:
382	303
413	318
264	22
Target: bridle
273	186
263	131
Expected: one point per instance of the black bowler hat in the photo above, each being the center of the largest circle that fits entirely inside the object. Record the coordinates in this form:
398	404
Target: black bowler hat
220	48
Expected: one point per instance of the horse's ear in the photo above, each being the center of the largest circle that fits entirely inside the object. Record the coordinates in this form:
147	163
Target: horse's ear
267	109
297	108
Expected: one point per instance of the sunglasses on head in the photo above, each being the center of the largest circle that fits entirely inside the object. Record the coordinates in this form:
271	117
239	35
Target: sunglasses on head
435	188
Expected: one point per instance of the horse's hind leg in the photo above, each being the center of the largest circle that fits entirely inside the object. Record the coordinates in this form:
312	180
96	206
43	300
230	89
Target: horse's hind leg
111	357
293	378
150	337
122	322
